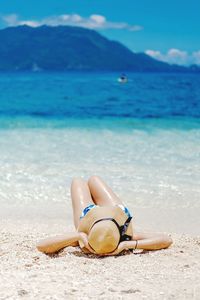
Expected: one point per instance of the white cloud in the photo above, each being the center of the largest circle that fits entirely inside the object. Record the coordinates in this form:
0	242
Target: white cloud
12	20
92	22
98	19
196	56
155	54
176	56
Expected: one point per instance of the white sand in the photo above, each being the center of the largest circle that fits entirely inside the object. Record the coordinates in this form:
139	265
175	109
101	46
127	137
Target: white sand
155	173
27	274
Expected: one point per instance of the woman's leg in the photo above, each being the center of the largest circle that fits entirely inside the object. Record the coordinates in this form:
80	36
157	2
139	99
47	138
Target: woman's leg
81	198
101	193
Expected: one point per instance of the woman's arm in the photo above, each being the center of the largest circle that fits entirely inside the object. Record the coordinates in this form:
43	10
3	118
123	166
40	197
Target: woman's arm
145	241
148	241
54	244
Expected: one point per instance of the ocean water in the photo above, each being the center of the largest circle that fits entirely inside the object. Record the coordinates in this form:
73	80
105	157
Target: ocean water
142	137
94	95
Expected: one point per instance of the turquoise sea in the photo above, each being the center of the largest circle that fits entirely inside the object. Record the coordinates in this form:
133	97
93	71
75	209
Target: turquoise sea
142	137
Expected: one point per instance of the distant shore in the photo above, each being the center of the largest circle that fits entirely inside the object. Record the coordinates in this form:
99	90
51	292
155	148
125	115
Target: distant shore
73	48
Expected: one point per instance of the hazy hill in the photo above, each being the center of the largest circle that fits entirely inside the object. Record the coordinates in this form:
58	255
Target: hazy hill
71	48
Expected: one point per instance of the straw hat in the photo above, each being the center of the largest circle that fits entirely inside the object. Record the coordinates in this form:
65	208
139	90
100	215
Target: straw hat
104	237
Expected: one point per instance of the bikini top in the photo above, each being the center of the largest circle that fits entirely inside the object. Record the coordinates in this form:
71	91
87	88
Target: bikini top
122	229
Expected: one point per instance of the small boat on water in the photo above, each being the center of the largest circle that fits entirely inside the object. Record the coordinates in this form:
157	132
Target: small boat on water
123	78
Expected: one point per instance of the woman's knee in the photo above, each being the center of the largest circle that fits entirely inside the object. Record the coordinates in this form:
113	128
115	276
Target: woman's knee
93	180
77	180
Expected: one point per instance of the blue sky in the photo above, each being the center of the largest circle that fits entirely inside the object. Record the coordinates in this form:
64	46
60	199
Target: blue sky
167	30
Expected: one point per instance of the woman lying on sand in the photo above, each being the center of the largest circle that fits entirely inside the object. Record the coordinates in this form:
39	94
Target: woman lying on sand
103	224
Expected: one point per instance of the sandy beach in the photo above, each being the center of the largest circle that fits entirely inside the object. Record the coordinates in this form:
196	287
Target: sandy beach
35	203
172	273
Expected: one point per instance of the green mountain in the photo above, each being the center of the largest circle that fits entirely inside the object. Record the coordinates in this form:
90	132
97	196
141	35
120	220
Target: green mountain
65	48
